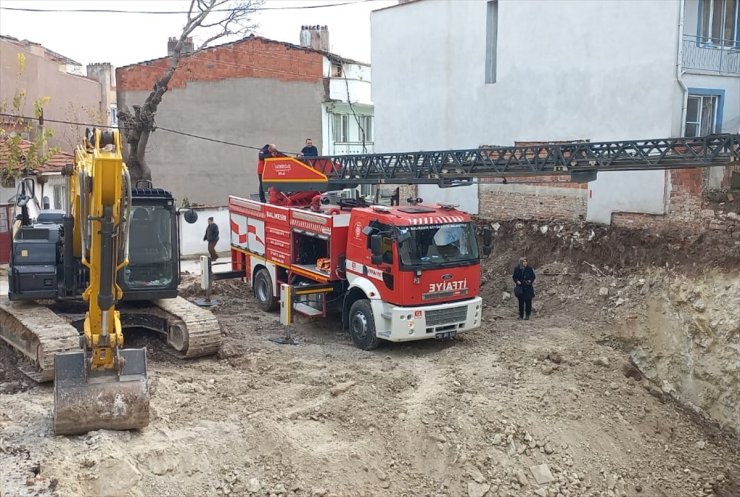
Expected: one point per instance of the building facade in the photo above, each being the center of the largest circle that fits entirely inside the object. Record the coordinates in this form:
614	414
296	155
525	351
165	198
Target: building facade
40	72
248	93
500	72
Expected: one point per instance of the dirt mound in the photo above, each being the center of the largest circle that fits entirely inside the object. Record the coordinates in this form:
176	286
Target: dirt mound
612	248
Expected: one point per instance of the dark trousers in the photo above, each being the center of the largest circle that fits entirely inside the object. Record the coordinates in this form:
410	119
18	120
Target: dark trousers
262	191
525	306
212	250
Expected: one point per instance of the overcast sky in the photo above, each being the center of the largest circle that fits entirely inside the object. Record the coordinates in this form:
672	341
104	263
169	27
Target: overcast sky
129	38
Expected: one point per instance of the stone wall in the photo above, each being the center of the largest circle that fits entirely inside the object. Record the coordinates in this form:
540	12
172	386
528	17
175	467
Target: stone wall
691	207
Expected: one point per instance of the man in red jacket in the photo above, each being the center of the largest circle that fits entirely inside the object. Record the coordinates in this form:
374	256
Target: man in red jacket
269	150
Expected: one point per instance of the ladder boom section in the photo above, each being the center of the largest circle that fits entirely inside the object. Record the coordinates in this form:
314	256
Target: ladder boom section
582	160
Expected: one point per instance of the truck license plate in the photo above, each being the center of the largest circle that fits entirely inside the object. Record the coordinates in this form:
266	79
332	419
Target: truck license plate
444	335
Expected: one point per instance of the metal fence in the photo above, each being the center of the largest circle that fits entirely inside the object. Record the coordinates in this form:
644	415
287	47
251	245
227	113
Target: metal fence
720	56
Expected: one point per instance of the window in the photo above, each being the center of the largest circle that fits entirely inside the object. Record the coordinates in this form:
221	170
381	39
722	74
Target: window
718	22
427	246
491	40
366	123
114	115
703	112
60	194
341	128
150	248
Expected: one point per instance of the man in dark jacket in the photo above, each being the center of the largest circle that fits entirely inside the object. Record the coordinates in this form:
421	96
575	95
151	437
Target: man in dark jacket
211	237
309	150
524	290
269	150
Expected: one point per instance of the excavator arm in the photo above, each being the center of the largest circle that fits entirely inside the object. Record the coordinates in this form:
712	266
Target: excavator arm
102	386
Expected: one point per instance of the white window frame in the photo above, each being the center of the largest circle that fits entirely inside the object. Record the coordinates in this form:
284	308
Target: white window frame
341	128
708	14
366	123
704	101
114	115
60	196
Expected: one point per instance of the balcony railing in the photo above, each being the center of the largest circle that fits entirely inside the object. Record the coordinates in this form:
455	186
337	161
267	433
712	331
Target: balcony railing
706	54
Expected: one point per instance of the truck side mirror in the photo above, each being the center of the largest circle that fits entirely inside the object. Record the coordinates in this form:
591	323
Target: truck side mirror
376	249
376	245
487	241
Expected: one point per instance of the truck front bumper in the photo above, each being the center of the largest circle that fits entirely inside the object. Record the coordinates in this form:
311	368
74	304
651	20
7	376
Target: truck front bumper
403	324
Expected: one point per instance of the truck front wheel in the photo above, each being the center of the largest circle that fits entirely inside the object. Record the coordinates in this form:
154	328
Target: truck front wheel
362	325
262	287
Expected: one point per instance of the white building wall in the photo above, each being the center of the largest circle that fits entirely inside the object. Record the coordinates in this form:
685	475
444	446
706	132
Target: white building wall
565	70
349	95
191	235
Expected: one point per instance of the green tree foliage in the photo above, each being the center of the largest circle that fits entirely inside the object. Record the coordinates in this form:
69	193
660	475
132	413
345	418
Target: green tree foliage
17	153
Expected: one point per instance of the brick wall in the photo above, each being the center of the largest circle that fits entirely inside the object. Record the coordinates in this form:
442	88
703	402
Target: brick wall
252	57
532	201
691	208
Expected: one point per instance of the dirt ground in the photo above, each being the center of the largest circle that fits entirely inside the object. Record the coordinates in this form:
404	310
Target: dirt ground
549	407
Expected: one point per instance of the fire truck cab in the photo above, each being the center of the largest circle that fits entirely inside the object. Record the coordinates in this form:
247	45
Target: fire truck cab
396	273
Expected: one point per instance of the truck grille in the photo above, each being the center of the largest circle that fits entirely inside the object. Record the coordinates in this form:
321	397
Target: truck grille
446	316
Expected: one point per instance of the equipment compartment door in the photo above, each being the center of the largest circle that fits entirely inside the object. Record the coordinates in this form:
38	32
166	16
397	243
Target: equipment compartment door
6	226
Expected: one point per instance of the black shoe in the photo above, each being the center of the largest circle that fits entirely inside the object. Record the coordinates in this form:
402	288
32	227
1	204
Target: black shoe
527	318
520	317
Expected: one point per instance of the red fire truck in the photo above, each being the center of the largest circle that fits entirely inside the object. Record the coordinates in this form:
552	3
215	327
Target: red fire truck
403	273
411	272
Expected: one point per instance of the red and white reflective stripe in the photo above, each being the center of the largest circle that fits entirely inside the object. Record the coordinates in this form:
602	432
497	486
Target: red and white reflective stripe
359	269
421	221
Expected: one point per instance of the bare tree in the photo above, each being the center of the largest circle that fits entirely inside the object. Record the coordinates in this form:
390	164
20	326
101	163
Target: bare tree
214	19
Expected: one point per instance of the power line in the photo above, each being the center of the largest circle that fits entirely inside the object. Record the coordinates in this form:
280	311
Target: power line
90	125
168	12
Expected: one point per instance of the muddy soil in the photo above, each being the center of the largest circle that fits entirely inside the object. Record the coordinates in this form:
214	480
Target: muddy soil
548	407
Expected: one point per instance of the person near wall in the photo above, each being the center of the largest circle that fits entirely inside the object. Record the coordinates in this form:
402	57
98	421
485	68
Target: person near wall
524	290
269	150
309	150
211	237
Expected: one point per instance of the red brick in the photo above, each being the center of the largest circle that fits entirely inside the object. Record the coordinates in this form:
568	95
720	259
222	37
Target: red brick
252	57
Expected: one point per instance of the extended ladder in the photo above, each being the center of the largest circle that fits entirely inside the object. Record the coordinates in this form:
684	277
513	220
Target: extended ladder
582	160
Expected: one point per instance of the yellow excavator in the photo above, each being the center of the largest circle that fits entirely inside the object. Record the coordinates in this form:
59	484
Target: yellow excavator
103	385
80	278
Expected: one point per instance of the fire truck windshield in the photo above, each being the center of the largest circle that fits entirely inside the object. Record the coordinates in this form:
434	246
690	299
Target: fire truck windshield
437	245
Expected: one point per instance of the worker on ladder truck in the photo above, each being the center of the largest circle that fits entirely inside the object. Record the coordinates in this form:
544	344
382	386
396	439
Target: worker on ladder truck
411	272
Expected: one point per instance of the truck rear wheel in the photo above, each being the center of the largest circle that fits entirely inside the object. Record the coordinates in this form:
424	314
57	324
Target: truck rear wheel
362	325
263	291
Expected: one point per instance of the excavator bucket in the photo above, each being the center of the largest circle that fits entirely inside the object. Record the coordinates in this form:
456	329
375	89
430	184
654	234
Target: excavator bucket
100	400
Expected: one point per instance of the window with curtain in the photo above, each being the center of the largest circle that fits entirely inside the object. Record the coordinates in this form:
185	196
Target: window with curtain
719	22
701	115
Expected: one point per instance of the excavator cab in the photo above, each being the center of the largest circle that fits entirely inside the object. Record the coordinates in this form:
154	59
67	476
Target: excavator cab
153	270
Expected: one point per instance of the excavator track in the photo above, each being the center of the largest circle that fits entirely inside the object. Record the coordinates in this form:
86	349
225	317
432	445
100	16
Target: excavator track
193	331
39	334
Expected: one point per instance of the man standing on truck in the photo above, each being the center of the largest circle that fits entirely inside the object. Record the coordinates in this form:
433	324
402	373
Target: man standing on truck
211	237
269	150
309	150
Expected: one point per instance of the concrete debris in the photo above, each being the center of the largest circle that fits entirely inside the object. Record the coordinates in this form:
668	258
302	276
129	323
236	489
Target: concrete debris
341	388
476	489
541	474
602	361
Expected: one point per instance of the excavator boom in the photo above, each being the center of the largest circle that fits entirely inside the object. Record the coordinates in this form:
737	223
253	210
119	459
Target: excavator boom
102	386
